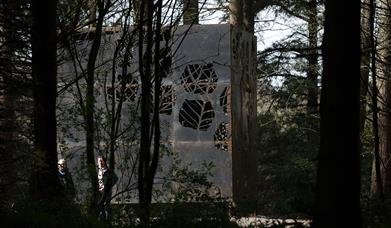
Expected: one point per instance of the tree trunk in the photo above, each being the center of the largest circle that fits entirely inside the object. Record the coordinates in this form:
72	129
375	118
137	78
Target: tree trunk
384	85
89	108
190	12
378	187
242	14
156	106
145	62
337	201
137	17
44	71
148	160
365	60
92	7
8	96
248	15
312	73
236	13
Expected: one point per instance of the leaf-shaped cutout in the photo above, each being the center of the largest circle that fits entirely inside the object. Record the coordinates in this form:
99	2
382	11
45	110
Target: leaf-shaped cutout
199	78
189	75
224	99
220	137
165	61
130	89
207	80
196	114
167	99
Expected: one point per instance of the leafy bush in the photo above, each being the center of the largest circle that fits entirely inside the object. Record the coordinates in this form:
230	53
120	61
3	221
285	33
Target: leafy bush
30	213
286	168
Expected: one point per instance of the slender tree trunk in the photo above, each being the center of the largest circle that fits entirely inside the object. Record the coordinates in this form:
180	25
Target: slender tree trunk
366	47
8	12
89	107
236	13
248	16
365	60
156	105
190	12
44	71
148	160
377	188
384	124
145	61
312	73
337	202
139	17
92	7
242	14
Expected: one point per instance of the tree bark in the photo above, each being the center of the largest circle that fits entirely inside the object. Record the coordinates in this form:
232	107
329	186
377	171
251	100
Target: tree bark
365	60
44	71
138	18
312	73
8	96
236	13
242	14
337	201
378	187
384	86
190	12
145	62
148	159
89	107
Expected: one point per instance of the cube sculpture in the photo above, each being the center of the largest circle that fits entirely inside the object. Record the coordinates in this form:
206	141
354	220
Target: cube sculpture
208	103
213	116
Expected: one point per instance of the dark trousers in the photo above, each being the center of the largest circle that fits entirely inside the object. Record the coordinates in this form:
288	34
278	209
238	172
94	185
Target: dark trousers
105	208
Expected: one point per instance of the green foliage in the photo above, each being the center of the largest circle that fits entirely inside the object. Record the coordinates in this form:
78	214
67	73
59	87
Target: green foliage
57	213
189	184
194	200
366	160
376	213
194	215
287	129
177	214
280	225
187	198
286	171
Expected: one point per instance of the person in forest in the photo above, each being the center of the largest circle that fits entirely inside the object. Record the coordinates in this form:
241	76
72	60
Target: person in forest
66	180
105	188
